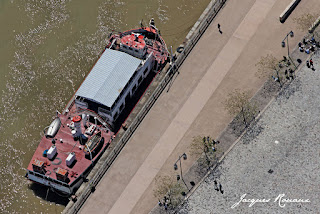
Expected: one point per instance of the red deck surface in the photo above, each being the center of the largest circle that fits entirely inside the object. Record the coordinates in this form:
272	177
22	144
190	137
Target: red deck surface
159	52
157	48
133	41
64	148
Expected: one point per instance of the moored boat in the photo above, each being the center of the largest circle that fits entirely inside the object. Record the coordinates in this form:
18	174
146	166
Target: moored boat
78	136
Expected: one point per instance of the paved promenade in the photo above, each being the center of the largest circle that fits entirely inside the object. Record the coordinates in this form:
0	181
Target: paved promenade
280	155
218	64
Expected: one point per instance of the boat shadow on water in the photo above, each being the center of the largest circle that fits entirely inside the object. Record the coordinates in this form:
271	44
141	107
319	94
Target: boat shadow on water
46	194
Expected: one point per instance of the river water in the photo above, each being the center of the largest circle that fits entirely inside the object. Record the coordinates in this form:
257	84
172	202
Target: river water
47	47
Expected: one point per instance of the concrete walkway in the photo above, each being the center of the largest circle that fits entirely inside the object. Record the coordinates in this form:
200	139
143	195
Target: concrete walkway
217	65
191	108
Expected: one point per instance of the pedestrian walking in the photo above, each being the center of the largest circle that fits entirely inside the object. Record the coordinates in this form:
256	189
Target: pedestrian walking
291	73
284	58
165	206
165	200
213	149
304	41
307	51
311	64
275	79
308	65
301	49
216	186
286	73
219	26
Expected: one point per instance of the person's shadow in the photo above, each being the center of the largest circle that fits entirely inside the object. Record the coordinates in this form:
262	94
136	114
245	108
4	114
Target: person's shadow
219	28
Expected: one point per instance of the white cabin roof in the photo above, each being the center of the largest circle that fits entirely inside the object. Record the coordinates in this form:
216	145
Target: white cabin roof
108	77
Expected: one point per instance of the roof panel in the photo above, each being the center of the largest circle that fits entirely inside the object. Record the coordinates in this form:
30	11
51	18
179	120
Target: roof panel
108	77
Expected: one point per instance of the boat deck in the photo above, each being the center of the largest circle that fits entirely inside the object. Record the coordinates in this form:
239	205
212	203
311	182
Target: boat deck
155	46
158	51
65	147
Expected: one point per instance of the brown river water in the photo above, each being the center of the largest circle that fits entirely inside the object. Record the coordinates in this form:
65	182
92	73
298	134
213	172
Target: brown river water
46	49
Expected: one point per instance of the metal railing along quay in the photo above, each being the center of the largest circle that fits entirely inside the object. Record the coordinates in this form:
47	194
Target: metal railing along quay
192	38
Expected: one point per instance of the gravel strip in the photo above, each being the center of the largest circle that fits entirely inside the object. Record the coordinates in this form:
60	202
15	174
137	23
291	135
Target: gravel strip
279	155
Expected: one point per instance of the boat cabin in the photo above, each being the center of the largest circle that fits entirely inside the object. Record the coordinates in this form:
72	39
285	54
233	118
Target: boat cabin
114	79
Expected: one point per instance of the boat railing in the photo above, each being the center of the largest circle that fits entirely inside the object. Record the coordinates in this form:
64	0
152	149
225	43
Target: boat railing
113	41
69	105
48	178
198	29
